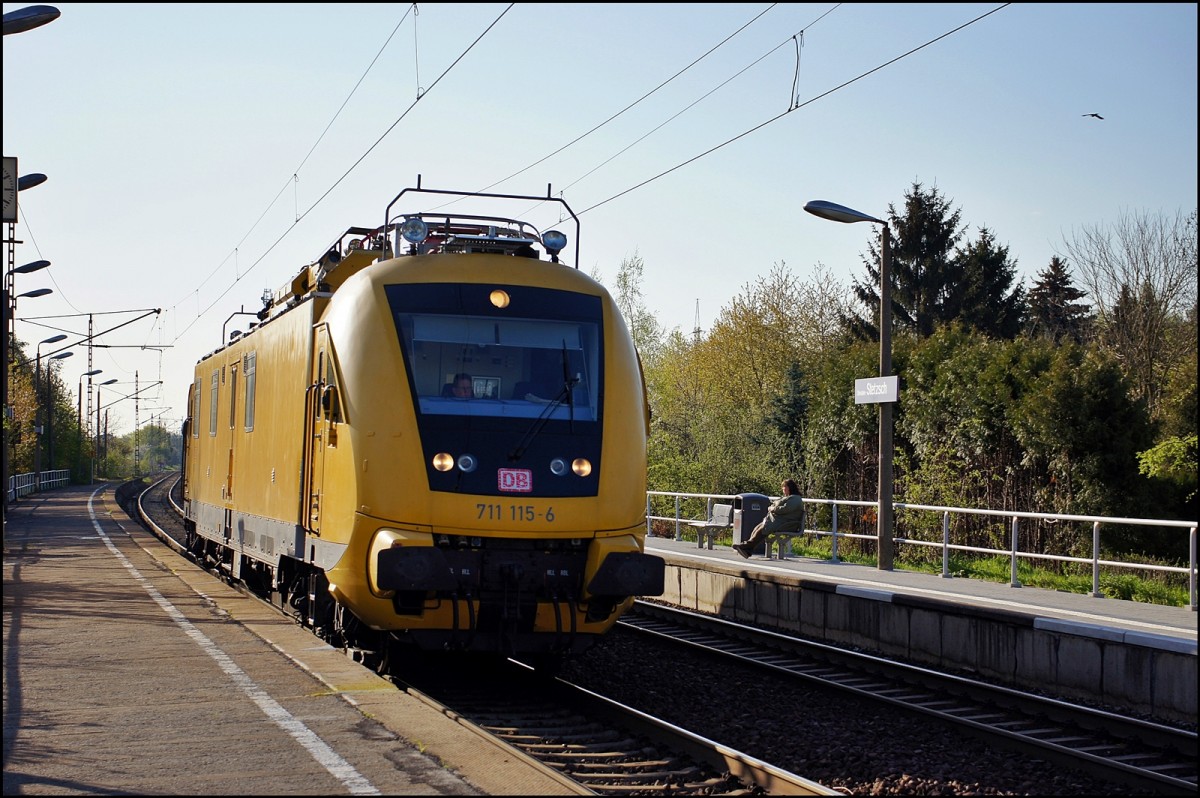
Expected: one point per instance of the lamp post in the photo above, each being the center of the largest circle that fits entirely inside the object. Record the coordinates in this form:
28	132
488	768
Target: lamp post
96	447
79	412
135	396
50	406
840	213
49	417
79	393
37	408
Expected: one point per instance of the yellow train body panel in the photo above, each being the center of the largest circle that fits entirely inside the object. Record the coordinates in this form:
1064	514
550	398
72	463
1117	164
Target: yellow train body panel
329	461
254	467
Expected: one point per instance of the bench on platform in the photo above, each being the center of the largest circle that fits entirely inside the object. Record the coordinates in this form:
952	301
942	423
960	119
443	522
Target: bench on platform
707	529
782	541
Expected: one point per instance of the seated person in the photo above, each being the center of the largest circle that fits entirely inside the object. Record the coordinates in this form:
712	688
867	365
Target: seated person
463	387
786	514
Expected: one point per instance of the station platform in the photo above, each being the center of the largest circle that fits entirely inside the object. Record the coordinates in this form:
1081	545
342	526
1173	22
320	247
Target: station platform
1171	623
1123	653
127	669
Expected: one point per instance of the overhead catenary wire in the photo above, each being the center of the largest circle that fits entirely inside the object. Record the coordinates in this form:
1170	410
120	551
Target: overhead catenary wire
345	174
295	176
636	102
667	121
696	102
797	107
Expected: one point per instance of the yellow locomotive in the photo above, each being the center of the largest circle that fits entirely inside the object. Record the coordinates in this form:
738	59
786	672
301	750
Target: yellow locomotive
434	436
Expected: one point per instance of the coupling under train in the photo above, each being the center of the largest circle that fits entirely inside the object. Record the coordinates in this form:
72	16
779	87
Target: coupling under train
330	465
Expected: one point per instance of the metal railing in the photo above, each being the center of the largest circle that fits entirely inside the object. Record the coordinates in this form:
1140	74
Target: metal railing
25	484
686	508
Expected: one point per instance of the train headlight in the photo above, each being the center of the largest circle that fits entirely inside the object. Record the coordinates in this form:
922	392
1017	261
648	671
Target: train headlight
500	298
414	230
467	463
581	466
554	241
443	461
558	466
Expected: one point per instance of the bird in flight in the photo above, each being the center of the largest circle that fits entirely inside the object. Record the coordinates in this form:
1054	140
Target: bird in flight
1095	115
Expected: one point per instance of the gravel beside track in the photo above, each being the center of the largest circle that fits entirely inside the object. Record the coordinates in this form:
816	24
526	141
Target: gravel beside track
836	739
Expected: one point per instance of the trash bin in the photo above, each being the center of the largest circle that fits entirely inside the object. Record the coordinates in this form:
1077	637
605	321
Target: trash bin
749	509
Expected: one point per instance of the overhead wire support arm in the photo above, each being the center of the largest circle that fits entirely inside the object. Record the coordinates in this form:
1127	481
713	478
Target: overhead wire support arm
155	311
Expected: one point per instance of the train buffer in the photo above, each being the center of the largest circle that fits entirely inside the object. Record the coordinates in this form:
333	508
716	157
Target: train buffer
707	529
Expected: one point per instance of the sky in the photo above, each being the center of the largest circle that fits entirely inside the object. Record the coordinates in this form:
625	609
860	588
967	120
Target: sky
199	154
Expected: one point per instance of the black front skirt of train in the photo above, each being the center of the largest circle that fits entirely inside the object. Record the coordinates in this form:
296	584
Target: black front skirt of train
507	580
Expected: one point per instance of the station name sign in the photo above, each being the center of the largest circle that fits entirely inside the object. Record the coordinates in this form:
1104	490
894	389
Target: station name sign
876	389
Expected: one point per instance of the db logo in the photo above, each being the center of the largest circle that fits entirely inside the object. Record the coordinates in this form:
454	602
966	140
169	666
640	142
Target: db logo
514	480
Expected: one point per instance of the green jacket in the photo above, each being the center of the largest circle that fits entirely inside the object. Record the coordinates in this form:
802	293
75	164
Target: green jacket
786	514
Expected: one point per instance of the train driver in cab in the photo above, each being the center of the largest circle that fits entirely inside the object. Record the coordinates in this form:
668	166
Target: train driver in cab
464	387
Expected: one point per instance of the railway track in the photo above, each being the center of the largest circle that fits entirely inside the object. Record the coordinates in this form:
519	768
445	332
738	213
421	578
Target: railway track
598	744
607	747
1144	755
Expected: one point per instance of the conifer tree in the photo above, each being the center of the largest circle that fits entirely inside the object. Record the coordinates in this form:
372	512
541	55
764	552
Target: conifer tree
1054	312
925	270
988	301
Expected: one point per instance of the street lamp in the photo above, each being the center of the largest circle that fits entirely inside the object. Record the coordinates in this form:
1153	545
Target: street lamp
79	392
37	395
79	412
96	449
37	376
30	180
840	213
33	266
49	415
24	19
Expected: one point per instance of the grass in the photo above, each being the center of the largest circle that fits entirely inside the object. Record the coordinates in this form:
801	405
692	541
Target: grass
1165	589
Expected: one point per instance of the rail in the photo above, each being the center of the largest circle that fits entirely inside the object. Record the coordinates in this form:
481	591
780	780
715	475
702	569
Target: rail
25	484
686	503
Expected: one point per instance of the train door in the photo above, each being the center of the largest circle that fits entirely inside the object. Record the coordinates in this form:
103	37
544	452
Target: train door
233	393
317	430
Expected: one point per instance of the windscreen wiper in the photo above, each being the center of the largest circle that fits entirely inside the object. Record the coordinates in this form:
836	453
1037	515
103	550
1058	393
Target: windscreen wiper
519	451
566	394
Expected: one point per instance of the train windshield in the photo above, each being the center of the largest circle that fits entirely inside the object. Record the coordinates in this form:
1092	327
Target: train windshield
503	364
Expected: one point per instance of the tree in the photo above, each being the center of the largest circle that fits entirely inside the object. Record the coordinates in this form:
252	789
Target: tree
820	308
1173	460
788	416
935	280
925	271
1177	410
23	401
1141	275
158	449
1054	312
676	387
840	439
987	299
643	326
711	396
1078	421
